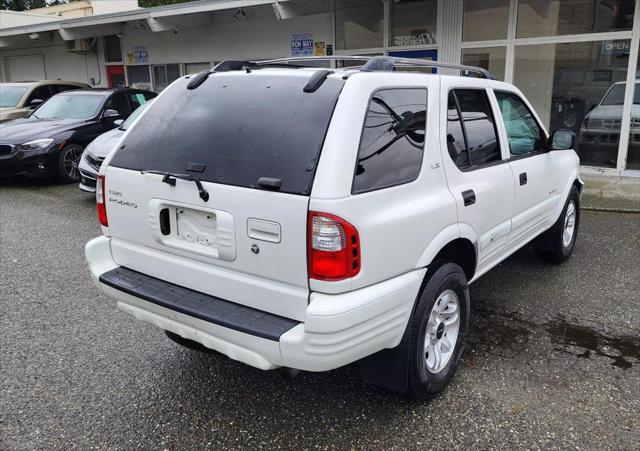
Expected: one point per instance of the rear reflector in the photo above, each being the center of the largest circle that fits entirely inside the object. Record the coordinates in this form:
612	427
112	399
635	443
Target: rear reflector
101	205
333	247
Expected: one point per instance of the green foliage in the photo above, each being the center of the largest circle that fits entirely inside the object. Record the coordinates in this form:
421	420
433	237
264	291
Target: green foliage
21	5
151	3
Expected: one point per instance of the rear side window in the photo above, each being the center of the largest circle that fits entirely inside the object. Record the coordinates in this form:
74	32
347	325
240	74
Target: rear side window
239	126
470	117
523	132
392	142
118	102
41	92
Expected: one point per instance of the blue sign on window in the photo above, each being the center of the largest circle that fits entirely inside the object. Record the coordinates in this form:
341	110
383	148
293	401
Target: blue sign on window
302	44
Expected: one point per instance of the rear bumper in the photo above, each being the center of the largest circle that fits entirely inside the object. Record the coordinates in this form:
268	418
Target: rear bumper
337	329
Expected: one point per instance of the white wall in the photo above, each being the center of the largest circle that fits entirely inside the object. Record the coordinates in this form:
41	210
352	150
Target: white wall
261	35
112	6
58	62
10	19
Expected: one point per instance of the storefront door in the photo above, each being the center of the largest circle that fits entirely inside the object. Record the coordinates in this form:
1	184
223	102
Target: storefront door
115	76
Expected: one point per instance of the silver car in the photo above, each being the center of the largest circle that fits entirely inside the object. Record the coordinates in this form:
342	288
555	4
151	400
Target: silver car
19	99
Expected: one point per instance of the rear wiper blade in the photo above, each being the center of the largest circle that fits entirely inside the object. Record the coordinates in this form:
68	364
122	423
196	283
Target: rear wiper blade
170	179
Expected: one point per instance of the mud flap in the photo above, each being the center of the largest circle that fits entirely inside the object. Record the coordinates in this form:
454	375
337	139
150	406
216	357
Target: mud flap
389	368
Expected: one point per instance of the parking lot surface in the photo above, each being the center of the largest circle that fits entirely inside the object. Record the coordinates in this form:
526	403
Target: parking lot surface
553	360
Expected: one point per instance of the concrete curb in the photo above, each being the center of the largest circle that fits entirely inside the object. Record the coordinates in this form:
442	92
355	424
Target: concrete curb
611	210
612	194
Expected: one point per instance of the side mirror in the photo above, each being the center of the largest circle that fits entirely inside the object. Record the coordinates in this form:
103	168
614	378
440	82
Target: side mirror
110	114
35	103
118	122
561	139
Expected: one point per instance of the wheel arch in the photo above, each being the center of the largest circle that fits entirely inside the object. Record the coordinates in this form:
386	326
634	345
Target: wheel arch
456	244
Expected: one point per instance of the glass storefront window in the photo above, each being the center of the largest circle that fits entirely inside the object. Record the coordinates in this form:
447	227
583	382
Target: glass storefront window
163	75
561	17
194	68
112	49
633	155
491	58
359	24
413	22
479	13
139	77
569	84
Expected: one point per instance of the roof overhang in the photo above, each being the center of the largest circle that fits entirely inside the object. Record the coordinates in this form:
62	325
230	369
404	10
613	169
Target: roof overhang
161	18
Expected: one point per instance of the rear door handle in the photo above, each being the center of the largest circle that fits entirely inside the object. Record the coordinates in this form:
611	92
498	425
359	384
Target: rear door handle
469	197
523	178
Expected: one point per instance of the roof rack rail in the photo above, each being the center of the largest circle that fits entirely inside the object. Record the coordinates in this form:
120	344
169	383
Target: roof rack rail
381	63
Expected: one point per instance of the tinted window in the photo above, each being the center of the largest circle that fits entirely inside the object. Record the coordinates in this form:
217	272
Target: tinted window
61	88
138	99
392	141
242	126
478	128
119	102
41	92
523	132
456	143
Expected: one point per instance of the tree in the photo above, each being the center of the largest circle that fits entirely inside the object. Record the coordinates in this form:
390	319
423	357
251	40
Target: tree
22	5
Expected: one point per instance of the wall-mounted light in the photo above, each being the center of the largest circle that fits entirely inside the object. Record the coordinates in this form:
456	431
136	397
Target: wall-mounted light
240	15
34	36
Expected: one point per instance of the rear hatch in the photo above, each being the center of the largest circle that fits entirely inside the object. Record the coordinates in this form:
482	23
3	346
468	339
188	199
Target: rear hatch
253	141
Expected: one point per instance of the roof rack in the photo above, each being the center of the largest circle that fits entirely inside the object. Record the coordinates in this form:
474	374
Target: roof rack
380	63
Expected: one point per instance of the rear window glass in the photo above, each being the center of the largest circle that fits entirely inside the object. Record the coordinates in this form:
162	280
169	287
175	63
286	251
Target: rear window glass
241	126
392	142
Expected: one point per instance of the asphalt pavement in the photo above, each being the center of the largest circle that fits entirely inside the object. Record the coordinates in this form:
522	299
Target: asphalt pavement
553	360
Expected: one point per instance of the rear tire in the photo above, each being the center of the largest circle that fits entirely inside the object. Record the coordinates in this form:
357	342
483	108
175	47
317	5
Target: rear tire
556	244
68	161
438	329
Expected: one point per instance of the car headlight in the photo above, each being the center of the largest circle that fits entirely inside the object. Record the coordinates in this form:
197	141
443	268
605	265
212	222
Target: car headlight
35	145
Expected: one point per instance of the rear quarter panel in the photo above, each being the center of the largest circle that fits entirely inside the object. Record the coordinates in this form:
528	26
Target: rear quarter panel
397	224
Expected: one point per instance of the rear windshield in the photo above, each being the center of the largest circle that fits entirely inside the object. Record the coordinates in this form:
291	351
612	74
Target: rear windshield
239	126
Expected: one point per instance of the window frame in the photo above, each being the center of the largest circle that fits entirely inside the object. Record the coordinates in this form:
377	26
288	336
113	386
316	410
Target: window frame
471	166
355	167
535	118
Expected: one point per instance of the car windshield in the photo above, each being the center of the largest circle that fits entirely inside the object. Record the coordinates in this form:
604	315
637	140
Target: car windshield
69	106
126	124
615	96
11	95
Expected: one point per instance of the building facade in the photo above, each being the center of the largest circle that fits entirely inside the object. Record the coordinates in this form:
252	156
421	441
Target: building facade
576	60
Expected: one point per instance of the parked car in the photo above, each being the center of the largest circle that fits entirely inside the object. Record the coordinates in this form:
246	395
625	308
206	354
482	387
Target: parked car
99	148
577	89
51	140
600	130
309	218
19	99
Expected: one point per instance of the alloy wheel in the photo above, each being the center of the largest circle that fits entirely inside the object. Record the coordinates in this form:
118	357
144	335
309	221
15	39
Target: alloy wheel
442	330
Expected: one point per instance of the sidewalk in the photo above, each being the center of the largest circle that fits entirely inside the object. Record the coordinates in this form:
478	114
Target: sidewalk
611	193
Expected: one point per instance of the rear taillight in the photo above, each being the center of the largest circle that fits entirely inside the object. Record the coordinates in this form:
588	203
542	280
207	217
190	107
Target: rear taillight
101	204
333	247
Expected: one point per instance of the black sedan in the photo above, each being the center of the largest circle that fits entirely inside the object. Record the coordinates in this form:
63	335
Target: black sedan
51	140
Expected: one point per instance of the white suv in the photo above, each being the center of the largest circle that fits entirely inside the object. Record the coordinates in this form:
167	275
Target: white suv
307	218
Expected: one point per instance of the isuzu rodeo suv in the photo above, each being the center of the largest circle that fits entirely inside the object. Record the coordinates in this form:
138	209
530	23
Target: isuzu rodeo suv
308	218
